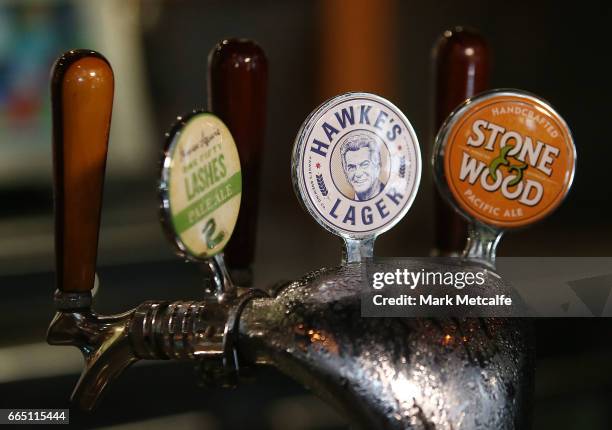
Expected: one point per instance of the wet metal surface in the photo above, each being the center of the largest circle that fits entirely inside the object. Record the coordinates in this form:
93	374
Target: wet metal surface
393	373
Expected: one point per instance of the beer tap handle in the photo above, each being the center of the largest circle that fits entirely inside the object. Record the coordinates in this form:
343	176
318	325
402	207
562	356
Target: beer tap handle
82	86
237	92
461	67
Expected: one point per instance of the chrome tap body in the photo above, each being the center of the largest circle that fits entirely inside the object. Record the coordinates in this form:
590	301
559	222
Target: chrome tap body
387	373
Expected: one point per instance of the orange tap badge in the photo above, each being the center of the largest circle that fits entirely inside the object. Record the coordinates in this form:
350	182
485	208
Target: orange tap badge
507	157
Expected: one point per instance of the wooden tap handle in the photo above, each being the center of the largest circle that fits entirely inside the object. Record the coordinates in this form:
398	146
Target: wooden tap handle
462	65
82	87
237	92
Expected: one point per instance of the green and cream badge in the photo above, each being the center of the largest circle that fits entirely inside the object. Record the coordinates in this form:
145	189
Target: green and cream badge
201	185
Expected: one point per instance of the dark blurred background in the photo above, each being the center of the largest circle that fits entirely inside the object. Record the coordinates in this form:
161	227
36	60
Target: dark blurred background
316	49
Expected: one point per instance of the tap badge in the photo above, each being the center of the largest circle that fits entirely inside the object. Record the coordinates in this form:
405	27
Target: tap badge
356	165
507	158
200	185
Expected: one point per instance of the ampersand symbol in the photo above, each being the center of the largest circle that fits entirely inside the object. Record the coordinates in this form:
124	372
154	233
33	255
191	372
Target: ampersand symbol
501	160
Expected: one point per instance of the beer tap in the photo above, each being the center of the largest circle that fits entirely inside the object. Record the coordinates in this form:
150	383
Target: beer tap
356	169
82	88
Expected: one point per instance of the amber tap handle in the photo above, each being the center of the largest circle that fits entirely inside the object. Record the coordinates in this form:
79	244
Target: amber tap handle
82	86
461	68
237	92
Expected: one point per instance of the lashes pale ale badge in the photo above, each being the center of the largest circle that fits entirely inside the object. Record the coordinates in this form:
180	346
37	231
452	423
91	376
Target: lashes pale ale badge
200	185
356	165
507	158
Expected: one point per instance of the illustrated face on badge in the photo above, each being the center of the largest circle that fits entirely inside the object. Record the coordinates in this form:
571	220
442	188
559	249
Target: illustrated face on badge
357	165
361	159
509	159
203	185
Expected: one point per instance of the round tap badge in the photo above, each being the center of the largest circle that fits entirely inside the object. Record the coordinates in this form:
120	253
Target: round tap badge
507	158
356	165
200	185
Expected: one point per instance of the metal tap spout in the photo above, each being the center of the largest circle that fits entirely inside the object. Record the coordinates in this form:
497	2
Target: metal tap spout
104	343
203	331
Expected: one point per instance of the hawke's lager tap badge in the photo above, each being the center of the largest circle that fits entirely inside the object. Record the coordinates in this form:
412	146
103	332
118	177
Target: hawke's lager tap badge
356	165
201	185
507	158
